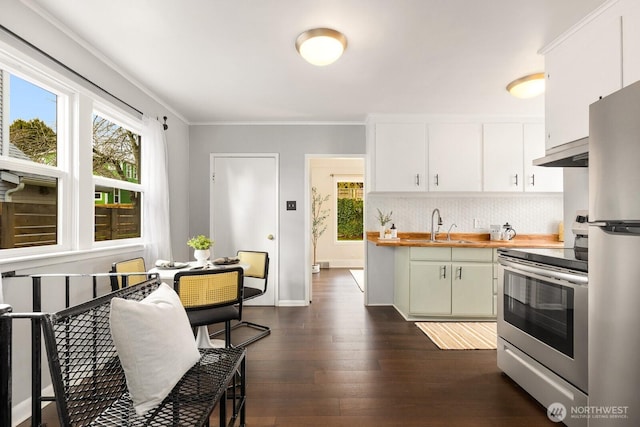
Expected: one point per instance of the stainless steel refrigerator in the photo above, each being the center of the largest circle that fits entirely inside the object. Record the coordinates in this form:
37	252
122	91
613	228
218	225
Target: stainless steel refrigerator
614	258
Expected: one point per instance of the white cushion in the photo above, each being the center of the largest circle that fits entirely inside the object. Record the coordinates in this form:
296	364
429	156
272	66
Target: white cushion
155	344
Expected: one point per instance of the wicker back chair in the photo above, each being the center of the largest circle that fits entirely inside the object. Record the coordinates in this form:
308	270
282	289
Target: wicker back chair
211	296
135	265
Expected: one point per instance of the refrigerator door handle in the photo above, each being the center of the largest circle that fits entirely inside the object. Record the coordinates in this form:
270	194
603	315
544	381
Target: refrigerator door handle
617	227
598	224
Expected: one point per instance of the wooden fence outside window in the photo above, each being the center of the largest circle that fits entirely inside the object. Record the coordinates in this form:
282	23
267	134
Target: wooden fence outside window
34	224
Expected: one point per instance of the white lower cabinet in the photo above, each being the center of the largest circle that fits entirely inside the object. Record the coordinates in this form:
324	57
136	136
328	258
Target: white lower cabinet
445	282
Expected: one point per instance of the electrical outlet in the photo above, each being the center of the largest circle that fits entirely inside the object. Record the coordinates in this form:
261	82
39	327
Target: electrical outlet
476	223
291	205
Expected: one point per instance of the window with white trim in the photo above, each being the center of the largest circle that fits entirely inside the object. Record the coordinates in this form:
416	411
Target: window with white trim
116	153
55	137
349	199
32	117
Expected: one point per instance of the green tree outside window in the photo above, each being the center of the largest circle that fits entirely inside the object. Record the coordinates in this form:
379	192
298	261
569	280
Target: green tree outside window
350	210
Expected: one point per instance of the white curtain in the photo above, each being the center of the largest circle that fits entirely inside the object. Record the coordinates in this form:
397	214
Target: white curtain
155	178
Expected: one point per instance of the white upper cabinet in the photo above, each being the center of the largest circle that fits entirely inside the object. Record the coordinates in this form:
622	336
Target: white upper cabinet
538	178
508	153
455	157
400	157
630	41
503	157
583	67
468	156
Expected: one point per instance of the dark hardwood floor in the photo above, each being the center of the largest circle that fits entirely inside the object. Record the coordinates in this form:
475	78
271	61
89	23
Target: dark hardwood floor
339	363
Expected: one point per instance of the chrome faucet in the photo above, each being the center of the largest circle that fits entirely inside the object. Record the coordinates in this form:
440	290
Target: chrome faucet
433	235
449	232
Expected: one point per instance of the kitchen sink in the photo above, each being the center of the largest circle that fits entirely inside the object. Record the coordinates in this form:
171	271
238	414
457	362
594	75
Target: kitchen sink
453	241
436	241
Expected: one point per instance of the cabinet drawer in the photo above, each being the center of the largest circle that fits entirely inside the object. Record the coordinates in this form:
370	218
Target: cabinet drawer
431	254
472	254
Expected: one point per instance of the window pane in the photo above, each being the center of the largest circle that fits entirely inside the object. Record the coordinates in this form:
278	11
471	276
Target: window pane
28	210
32	122
117	214
116	151
350	210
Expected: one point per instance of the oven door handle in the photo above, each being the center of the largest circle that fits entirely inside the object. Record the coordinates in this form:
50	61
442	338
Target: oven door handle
553	274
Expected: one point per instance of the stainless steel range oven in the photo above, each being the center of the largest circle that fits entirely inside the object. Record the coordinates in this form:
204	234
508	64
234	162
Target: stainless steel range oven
542	323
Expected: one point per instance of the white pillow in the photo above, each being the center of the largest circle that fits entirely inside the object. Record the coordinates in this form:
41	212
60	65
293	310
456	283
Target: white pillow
155	344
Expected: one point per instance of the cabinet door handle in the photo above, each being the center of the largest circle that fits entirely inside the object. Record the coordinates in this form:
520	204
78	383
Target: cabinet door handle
443	269
460	273
516	180
418	179
533	180
437	180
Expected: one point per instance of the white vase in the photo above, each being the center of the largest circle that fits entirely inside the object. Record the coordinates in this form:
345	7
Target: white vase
382	230
201	256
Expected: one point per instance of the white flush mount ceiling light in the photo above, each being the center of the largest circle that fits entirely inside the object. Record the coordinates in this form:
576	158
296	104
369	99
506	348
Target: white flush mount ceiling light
527	86
321	46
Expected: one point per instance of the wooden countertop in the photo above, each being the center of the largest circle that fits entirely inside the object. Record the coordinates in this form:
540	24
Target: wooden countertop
468	240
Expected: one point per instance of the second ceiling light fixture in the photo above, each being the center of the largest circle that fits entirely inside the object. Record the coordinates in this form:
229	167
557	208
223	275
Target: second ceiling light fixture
527	86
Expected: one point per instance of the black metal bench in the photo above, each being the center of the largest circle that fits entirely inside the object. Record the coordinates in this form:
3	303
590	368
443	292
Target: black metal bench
89	382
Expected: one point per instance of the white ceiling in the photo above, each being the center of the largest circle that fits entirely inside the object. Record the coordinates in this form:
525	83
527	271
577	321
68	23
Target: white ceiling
235	60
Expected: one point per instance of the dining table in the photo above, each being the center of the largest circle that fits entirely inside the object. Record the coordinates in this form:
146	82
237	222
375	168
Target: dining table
168	270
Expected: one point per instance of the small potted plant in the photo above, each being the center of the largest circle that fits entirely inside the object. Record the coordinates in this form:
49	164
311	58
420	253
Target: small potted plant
201	245
318	226
383	219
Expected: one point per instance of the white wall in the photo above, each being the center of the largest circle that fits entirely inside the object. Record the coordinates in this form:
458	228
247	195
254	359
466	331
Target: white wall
293	143
323	171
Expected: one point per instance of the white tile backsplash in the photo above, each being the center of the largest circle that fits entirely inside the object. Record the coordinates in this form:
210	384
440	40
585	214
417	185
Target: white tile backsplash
528	214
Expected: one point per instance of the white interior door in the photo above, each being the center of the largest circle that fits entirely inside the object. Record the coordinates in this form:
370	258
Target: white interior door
244	210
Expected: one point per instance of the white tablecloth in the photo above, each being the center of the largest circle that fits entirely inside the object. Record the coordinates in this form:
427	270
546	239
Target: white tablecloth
167	274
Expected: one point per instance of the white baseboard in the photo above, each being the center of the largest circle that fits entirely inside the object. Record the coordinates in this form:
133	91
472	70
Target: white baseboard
22	411
292	303
346	263
401	313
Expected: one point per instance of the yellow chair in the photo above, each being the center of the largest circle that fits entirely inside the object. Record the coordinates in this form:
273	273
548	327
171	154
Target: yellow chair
135	265
211	296
258	271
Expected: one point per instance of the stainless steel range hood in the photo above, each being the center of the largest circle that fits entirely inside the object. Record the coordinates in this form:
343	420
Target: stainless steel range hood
573	154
